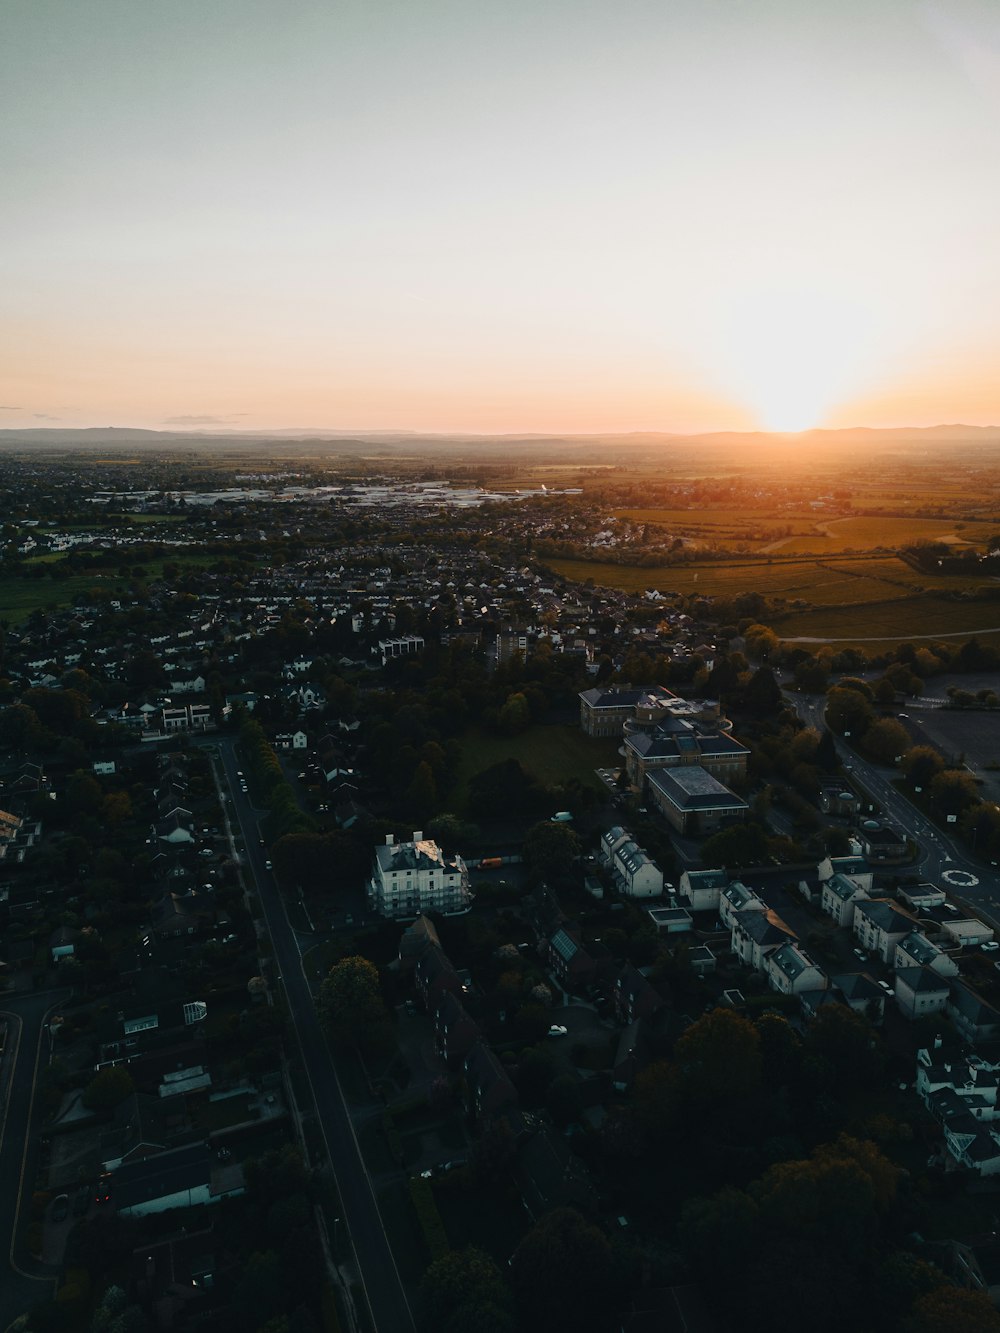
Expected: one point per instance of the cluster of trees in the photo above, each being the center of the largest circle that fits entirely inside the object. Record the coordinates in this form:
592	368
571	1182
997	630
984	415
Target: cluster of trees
285	814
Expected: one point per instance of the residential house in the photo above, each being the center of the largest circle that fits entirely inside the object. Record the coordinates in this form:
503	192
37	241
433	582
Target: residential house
434	976
409	878
636	874
854	867
975	1264
859	992
920	991
181	1178
757	934
633	996
879	926
839	896
974	1018
455	1033
611	840
916	950
571	964
701	889
488	1088
736	897
789	970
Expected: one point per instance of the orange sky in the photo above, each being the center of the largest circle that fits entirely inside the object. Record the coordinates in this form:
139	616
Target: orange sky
457	216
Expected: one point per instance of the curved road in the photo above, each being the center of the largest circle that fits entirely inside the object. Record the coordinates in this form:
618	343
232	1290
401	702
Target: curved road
27	1282
939	853
387	1301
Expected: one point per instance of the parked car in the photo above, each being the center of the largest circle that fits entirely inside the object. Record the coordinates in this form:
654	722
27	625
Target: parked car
860	954
557	1030
990	946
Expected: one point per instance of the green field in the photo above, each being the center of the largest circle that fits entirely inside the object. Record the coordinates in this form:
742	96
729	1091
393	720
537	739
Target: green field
19	597
552	754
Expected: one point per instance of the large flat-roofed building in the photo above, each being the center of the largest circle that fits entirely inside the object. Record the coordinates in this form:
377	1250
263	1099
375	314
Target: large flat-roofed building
683	743
606	712
409	878
693	801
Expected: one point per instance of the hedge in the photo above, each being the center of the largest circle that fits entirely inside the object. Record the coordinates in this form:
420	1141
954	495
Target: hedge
435	1236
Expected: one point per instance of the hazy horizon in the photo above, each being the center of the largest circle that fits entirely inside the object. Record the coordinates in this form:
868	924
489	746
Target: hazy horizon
457	218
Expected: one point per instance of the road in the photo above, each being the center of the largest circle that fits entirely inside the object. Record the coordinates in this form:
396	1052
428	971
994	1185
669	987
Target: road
941	861
26	1282
387	1301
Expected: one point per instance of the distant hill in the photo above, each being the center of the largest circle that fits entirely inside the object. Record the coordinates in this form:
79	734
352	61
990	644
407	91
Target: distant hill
103	437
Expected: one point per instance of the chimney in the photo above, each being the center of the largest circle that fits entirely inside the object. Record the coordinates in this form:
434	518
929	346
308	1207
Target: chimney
418	835
390	838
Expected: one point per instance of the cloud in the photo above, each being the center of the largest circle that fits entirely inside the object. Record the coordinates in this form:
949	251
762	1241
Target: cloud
5	407
199	420
46	416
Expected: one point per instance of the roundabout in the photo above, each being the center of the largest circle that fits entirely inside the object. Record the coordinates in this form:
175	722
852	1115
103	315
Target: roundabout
961	879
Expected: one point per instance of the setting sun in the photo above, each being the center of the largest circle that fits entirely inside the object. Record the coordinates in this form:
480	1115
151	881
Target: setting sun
792	357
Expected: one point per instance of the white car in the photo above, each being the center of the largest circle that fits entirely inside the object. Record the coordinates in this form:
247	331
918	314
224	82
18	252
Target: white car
990	946
268	866
557	1030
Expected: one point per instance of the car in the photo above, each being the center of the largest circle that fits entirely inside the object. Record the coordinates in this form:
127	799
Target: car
239	772
990	946
268	865
102	1194
886	987
442	1168
206	851
860	954
60	1208
557	1030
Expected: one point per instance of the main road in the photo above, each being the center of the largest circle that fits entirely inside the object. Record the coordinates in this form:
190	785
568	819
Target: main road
25	1281
941	860
390	1310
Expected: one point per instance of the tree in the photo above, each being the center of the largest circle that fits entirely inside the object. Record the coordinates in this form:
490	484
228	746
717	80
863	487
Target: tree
550	849
562	1275
718	1062
921	763
953	791
462	1282
350	1002
422	795
762	695
842	1050
826	756
107	1088
515	715
952	1310
848	712
886	740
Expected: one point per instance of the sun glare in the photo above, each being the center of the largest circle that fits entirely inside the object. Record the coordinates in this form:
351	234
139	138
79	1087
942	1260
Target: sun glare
792	357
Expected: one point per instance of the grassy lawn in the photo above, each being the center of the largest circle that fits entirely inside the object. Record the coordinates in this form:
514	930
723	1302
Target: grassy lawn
551	754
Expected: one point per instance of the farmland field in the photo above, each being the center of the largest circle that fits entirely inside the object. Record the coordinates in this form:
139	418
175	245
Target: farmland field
870	532
887	623
820	582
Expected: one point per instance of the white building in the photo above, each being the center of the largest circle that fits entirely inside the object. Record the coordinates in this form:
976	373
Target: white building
636	875
409	878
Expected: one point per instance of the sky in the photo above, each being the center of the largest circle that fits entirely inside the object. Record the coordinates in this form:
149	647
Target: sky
499	215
